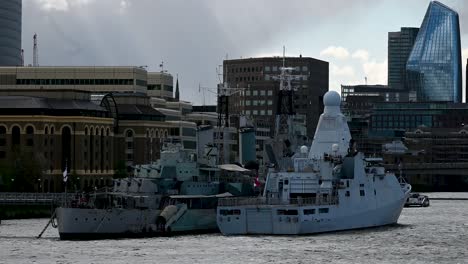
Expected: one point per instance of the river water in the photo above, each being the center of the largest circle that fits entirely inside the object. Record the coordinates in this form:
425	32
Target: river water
436	234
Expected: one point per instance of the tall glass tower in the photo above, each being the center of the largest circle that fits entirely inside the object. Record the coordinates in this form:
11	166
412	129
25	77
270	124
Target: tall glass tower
434	65
10	32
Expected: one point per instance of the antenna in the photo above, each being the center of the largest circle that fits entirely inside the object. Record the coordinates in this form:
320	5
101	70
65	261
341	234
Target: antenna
365	79
22	57
35	51
284	56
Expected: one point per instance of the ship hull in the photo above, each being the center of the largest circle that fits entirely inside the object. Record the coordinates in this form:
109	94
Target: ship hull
264	219
92	224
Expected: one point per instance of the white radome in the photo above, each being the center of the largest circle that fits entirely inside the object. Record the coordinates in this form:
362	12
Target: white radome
331	98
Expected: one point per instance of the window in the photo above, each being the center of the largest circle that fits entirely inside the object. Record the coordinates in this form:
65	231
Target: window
255	112
262	92
286	212
347	194
262	112
270	112
270	102
247	103
254	92
255	102
362	193
309	211
267	68
247	93
275	68
270	92
323	210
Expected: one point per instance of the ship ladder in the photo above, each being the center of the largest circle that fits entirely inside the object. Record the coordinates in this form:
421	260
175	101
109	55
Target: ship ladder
51	221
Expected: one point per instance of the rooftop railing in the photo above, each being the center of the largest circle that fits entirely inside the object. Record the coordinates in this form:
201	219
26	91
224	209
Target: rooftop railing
254	201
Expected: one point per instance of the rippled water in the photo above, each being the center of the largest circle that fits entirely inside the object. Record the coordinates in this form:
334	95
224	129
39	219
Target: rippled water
437	234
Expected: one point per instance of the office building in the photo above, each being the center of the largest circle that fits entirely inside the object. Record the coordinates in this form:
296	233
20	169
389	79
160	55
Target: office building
400	45
434	65
10	32
258	101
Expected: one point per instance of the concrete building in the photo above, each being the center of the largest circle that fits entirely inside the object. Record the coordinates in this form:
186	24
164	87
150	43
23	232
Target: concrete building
400	44
436	159
259	99
10	32
97	80
160	84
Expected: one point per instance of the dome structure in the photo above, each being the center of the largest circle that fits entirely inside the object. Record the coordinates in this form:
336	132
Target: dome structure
331	98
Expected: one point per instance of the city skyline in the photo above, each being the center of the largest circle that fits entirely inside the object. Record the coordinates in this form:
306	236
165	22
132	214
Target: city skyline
192	39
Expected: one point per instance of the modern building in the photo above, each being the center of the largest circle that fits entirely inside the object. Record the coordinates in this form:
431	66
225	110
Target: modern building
10	32
375	93
95	79
258	101
433	159
434	65
400	44
160	84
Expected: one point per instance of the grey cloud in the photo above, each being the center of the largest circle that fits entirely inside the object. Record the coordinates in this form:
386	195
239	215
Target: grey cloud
192	37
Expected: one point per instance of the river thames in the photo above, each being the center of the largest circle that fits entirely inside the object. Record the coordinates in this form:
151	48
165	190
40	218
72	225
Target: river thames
436	234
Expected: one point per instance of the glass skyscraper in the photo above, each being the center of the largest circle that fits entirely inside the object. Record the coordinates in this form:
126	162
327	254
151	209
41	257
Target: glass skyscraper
434	65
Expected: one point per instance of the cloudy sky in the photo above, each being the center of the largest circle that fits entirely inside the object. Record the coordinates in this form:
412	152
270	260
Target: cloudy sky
193	37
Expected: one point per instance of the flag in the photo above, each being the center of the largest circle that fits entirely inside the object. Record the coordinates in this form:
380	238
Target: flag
65	177
256	182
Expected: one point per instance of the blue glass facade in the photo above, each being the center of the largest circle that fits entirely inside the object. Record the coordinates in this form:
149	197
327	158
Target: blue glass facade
434	65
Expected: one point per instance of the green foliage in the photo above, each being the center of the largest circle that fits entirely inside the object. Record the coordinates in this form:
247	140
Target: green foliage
20	172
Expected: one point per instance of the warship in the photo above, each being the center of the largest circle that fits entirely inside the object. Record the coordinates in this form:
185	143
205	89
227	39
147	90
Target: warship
177	194
327	188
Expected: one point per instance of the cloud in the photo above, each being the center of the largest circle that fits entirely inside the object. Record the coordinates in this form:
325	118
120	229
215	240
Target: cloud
376	72
346	71
335	52
191	37
60	5
361	54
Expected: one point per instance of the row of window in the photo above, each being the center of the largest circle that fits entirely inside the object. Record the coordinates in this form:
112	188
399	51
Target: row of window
159	87
257	112
257	92
79	82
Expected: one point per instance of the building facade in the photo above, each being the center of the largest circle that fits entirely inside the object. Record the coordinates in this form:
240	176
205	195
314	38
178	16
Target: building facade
10	32
97	80
434	65
259	100
400	44
160	84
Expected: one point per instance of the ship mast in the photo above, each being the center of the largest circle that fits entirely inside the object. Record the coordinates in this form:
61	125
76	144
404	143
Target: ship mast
284	133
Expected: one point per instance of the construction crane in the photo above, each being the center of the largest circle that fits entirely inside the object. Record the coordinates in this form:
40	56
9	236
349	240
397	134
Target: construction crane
35	51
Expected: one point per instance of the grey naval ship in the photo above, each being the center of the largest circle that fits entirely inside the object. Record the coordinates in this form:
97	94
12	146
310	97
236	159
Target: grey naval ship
331	187
176	194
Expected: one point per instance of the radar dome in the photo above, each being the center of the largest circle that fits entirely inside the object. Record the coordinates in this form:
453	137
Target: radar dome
331	98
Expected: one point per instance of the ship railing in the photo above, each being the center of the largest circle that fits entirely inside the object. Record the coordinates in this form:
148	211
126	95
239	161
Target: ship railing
245	201
17	198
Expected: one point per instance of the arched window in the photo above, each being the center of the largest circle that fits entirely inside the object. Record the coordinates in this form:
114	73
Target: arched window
15	136
29	136
3	132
